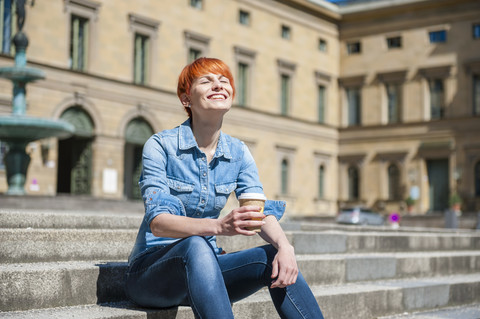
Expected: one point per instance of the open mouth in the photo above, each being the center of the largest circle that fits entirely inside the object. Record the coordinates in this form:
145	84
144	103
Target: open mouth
217	96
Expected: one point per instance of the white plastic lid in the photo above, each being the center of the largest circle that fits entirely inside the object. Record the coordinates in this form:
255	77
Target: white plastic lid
259	196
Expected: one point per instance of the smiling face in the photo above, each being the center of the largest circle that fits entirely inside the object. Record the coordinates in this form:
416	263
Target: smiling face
209	92
214	74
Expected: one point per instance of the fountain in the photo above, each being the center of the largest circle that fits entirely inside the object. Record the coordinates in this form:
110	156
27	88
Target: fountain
18	129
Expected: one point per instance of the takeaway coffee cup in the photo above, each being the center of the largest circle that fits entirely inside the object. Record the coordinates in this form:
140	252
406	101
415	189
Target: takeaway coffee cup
253	199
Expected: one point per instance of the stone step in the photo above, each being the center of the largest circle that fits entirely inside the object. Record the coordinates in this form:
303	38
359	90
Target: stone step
10	218
459	312
45	285
19	245
363	300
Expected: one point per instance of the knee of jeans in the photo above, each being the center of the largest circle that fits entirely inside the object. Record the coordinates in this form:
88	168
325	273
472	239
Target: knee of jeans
198	246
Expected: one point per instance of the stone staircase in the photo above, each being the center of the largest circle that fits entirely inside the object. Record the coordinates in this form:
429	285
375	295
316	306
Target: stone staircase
67	264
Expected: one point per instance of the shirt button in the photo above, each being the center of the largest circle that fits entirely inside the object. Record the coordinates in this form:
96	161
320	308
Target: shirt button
204	159
203	201
204	188
204	174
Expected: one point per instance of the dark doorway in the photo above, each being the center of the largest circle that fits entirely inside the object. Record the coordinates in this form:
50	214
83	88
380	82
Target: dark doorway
438	178
133	169
74	166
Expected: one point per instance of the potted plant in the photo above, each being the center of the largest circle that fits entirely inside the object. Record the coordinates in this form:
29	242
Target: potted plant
410	202
455	202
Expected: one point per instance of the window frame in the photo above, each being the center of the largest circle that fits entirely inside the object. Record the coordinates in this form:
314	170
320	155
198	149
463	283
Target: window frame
196	41
286	72
247	57
322	80
286	32
86	9
398	89
390	45
432	82
148	28
285	154
433	34
353	47
242	14
322	45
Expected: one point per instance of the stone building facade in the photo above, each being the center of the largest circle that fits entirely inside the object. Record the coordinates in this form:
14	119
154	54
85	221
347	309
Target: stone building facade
362	104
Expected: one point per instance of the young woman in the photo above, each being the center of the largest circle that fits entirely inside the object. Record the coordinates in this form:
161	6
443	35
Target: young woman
188	174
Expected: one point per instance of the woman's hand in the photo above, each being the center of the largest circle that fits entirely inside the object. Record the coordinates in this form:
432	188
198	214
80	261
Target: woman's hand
284	267
239	219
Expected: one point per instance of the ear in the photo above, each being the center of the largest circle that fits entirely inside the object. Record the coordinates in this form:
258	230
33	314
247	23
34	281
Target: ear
185	99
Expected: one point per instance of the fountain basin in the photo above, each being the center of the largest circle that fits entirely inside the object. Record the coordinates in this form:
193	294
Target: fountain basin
21	74
25	129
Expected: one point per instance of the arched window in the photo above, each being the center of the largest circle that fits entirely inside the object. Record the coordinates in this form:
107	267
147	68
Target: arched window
477	179
284	176
353	183
393	182
321	180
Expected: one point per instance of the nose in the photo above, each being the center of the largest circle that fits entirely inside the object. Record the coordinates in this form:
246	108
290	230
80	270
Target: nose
216	85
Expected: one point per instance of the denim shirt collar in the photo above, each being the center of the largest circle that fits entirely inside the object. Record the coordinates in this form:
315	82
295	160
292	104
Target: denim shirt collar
186	141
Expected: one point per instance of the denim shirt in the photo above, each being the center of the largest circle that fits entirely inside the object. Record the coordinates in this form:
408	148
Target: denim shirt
177	179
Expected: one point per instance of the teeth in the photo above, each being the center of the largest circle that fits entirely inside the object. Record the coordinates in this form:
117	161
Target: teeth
217	97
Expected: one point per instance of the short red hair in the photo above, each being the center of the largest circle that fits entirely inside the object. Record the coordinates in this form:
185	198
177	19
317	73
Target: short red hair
198	68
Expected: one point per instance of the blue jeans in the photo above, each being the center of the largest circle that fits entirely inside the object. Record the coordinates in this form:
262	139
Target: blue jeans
189	273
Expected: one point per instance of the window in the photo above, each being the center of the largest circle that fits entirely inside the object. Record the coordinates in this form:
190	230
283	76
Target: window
140	57
353	183
439	36
321	181
354	47
193	54
144	34
197	4
285	94
244	17
284	177
476	30
394	100
322	45
242	84
437	98
477	179
476	94
321	104
354	106
245	61
78	43
286	70
197	45
394	42
393	182
286	32
7	25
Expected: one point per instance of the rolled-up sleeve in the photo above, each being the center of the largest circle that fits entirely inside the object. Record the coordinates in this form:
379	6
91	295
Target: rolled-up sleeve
153	182
275	208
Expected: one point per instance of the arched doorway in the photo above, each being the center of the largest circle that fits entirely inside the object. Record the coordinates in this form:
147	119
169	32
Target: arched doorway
137	133
74	174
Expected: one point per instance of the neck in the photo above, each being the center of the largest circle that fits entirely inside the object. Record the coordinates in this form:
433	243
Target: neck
206	134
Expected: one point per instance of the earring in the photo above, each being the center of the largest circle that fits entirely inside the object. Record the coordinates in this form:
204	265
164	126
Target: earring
189	105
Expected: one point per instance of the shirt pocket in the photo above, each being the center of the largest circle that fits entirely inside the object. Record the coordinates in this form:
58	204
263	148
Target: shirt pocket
182	190
222	192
